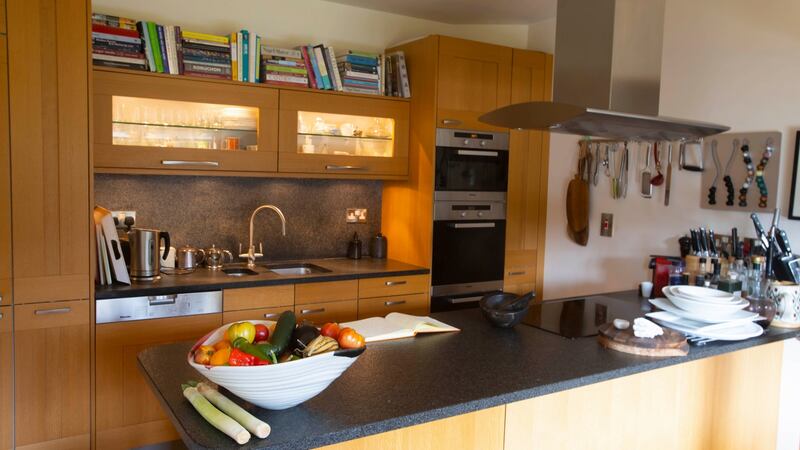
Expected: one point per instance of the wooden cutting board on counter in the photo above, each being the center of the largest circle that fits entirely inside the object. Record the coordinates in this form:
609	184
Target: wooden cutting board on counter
578	199
671	343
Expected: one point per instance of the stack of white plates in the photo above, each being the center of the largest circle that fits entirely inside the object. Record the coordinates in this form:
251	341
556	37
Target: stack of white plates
706	313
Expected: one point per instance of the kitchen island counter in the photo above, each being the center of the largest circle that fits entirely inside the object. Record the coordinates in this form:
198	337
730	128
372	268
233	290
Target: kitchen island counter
397	384
203	279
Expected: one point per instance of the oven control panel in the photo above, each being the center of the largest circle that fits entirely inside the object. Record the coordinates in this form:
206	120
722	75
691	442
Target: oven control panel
458	210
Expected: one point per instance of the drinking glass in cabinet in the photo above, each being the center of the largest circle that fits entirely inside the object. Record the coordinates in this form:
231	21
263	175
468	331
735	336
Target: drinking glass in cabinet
343	134
149	122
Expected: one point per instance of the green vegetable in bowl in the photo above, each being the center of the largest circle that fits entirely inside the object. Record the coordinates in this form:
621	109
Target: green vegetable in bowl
215	417
283	331
250	422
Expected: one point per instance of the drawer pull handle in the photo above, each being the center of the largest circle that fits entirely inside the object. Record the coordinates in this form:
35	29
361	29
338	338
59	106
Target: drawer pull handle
42	312
451	122
1	315
395	283
312	311
271	315
395	302
477	153
178	162
337	167
156	300
521	272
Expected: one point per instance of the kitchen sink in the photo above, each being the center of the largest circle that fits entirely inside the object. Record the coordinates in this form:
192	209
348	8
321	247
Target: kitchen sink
239	271
296	269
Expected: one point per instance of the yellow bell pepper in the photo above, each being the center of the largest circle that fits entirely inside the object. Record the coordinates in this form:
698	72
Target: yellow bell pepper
242	329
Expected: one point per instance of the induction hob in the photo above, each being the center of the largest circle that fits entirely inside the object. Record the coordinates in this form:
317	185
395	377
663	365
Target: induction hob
580	317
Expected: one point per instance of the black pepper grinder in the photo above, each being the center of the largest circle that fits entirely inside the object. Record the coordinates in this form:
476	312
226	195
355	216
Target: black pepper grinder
354	248
379	247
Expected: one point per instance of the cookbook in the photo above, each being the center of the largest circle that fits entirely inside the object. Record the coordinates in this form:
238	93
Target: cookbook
397	326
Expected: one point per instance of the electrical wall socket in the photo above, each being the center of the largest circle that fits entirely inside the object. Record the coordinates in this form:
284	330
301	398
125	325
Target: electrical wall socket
356	215
122	215
606	224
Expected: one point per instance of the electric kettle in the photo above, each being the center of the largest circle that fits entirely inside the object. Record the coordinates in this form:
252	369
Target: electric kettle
145	261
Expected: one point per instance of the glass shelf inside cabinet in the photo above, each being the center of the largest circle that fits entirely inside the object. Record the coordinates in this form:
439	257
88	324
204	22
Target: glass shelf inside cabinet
149	122
343	134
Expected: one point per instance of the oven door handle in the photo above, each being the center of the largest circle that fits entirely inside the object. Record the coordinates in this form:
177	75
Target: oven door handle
472	225
454	301
478	153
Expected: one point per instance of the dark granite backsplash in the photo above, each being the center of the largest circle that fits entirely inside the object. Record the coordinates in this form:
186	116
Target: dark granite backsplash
216	210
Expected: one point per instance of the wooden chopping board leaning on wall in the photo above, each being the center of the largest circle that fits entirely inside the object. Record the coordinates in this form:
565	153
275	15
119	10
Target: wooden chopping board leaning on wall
578	198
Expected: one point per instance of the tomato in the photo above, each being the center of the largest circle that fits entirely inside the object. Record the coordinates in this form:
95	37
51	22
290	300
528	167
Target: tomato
330	329
220	357
262	333
222	344
349	338
240	358
242	329
203	354
261	362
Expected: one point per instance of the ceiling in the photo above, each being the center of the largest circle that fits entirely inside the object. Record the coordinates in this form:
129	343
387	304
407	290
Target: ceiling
464	11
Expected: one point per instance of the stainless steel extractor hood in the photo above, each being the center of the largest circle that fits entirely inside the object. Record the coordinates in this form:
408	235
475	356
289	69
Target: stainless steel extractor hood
607	76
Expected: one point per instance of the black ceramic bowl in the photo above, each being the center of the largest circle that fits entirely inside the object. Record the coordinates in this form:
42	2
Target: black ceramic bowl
502	318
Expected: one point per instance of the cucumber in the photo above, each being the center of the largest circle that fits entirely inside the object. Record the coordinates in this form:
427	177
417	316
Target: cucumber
283	331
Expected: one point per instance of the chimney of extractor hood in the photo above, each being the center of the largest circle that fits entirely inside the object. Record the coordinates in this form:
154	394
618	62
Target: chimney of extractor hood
608	54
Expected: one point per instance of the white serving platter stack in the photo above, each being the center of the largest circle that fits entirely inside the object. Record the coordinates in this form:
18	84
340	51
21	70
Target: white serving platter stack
706	313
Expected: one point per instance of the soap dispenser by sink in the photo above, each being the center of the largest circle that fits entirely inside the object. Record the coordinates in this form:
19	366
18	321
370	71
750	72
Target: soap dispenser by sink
354	248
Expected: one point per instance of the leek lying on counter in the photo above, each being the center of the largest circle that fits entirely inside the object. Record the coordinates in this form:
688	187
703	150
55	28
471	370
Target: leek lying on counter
247	420
215	417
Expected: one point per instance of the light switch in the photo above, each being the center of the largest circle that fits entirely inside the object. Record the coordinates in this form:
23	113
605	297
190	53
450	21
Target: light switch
606	224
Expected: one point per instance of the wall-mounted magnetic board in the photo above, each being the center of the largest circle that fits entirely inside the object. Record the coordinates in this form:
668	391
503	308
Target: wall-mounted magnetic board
731	162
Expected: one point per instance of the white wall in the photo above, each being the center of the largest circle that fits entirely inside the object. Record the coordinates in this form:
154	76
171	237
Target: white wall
295	22
542	36
728	61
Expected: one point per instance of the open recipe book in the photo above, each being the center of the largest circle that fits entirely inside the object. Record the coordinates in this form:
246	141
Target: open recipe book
397	326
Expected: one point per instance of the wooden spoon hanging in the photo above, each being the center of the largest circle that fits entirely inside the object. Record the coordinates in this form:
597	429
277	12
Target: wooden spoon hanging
657	180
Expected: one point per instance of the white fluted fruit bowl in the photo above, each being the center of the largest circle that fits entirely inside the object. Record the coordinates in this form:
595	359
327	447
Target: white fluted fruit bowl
276	386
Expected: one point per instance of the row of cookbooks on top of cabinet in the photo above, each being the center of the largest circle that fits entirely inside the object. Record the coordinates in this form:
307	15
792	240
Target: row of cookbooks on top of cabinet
242	56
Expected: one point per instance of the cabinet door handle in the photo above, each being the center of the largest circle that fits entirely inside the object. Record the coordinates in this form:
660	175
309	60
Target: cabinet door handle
471	225
1	315
521	272
451	122
312	311
42	312
178	162
477	153
337	167
395	302
395	283
271	315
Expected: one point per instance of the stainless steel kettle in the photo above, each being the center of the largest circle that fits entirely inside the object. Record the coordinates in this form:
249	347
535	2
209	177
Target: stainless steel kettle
145	261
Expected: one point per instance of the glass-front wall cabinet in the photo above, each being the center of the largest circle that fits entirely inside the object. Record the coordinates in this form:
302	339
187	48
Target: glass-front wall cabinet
343	135
153	124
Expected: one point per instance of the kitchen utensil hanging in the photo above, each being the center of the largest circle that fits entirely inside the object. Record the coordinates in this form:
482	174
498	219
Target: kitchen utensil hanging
578	198
690	156
668	182
657	180
646	188
750	173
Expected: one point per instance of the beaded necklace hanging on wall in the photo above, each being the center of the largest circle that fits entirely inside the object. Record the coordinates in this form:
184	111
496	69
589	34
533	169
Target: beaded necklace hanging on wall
762	166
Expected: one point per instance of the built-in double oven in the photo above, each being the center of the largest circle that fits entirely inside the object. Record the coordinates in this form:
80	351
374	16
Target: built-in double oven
469	217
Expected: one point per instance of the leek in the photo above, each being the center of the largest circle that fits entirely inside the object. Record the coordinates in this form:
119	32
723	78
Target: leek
215	417
247	420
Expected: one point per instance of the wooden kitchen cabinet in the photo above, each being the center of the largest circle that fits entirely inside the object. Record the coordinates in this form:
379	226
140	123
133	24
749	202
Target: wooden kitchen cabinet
396	285
255	314
526	208
163	124
474	78
127	414
48	68
6	378
257	297
414	304
5	177
52	374
329	291
343	136
320	313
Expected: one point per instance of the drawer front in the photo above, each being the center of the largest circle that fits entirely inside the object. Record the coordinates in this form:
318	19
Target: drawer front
520	267
414	304
255	314
388	286
320	313
258	297
35	316
331	291
519	289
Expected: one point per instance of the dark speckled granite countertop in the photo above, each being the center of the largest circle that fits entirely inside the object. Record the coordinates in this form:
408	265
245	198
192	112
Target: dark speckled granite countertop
203	279
397	384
